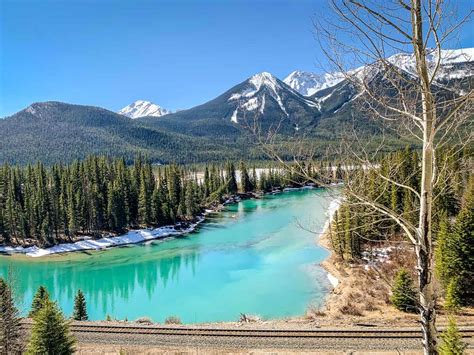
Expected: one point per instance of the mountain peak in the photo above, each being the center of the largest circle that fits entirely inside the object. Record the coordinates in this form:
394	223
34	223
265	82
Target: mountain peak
307	83
263	78
141	108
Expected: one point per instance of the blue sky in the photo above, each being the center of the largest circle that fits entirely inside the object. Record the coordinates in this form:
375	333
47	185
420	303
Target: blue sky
175	53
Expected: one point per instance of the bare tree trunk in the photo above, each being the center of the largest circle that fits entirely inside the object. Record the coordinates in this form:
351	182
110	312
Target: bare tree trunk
423	247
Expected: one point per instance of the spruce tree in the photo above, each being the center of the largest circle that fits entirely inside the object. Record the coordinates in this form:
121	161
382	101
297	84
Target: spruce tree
245	183
231	179
50	333
464	246
191	205
452	302
40	297
451	340
144	202
403	292
11	333
80	307
446	260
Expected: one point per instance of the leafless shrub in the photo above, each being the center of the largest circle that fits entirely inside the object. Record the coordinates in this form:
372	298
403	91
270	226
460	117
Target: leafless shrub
144	320
350	309
370	306
314	313
173	320
248	318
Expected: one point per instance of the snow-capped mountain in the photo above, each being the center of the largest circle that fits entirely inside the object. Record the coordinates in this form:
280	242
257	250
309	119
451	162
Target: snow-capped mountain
307	83
263	92
454	64
261	97
141	108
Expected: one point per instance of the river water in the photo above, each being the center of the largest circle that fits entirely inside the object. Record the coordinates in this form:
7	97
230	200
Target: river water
255	257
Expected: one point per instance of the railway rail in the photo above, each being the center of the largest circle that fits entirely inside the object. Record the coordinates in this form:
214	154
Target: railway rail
374	333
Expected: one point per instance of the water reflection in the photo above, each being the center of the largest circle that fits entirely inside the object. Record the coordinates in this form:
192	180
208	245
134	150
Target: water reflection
235	263
102	279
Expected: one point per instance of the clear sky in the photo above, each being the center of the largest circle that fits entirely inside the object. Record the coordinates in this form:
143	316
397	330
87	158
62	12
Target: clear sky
177	54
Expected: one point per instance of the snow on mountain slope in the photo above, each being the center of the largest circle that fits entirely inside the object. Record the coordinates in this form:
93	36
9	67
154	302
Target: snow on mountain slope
141	108
451	63
455	64
251	99
309	83
256	92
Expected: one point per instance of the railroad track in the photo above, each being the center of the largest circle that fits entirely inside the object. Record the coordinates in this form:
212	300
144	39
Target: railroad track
402	333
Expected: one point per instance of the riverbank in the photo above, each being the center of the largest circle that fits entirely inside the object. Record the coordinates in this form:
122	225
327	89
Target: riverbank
360	290
136	236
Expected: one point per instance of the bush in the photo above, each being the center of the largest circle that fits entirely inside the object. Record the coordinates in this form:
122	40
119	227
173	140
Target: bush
144	320
248	318
350	309
403	292
173	320
313	313
370	306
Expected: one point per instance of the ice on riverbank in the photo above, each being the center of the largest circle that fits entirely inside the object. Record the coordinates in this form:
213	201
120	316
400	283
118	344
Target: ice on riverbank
131	237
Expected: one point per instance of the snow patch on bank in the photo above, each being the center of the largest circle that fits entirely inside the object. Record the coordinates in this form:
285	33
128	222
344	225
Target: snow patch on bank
131	237
333	207
333	280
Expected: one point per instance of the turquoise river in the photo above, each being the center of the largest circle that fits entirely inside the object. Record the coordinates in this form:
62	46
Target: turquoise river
255	257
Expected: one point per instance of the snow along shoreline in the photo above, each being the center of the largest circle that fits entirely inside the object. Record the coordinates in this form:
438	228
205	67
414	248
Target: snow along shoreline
132	237
333	207
137	236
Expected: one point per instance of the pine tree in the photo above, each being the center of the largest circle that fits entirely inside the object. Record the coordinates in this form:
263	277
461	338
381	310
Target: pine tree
231	179
454	253
245	183
451	340
11	333
80	307
446	260
403	292
144	202
191	205
464	246
50	333
40	297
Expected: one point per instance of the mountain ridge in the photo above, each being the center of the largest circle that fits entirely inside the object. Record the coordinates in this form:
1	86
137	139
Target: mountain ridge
215	130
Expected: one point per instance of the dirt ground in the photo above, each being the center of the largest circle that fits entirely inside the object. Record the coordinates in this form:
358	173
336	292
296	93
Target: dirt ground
362	294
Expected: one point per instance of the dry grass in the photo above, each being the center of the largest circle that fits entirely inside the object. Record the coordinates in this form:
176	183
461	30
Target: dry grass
350	309
313	313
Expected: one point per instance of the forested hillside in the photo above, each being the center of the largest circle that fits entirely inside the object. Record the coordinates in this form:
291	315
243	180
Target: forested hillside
53	132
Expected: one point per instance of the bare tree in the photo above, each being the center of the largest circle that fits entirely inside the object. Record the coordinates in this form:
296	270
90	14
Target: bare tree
413	101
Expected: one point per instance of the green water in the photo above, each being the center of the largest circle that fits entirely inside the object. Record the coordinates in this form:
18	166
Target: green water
254	257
